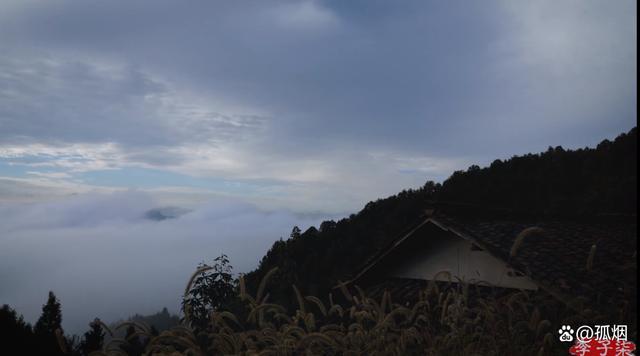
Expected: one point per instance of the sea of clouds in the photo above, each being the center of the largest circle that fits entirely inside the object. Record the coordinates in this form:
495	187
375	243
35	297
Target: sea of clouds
104	257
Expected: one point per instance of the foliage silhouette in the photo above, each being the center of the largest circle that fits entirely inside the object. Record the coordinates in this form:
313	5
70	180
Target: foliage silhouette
211	288
94	338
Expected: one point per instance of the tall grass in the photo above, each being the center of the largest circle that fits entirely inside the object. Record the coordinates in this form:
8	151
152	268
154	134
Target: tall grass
524	234
447	319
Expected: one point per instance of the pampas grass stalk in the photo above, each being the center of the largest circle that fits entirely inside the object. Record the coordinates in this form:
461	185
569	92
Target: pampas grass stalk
62	343
530	231
263	284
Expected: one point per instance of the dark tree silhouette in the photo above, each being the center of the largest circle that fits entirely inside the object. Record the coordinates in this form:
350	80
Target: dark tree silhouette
295	232
51	318
48	325
16	333
212	289
94	338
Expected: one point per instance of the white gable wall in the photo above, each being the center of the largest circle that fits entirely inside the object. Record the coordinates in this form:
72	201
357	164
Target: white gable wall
454	254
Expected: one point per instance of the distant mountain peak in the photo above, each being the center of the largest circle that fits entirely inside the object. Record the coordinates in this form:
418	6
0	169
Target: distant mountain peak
165	213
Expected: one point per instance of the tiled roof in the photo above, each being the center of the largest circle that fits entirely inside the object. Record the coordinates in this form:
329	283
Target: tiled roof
556	256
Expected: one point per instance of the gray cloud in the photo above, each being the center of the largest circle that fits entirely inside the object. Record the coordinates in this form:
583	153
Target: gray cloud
60	99
418	56
453	81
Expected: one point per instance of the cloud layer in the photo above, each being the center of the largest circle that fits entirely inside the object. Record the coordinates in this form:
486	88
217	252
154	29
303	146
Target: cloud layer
305	96
103	258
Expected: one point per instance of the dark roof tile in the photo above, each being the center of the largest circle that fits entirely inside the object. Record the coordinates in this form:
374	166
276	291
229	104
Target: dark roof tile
561	252
557	258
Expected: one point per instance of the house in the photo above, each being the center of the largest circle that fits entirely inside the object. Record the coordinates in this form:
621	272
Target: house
593	259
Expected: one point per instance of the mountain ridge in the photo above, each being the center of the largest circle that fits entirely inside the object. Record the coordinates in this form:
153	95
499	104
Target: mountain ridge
586	183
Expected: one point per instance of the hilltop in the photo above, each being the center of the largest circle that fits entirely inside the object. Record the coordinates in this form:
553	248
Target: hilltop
587	183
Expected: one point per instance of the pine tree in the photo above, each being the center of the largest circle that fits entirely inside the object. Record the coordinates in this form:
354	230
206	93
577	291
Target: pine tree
51	318
295	232
45	329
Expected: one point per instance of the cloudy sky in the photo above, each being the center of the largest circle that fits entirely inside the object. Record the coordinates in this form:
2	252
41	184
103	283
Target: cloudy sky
302	109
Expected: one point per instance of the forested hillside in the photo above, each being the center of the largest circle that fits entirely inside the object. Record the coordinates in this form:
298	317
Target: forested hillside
579	183
557	182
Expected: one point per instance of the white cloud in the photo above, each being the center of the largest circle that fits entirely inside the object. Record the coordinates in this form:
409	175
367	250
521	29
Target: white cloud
74	157
340	180
304	15
50	175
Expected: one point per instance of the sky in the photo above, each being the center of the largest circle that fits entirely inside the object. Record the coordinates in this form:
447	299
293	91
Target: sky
254	116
